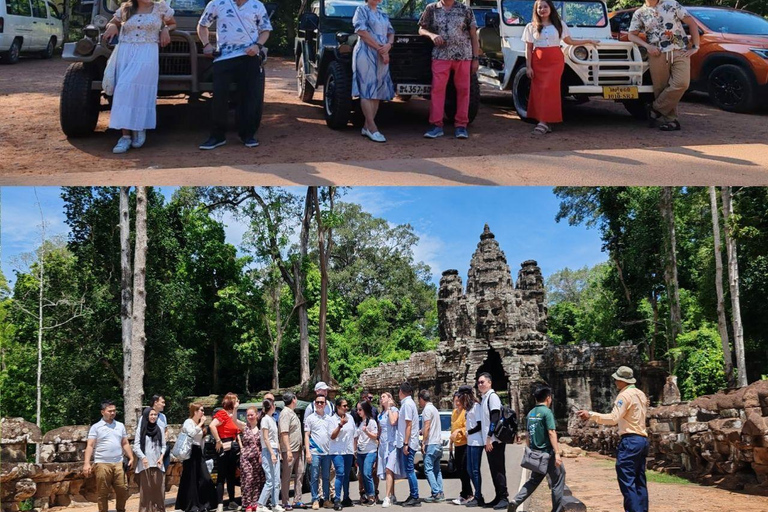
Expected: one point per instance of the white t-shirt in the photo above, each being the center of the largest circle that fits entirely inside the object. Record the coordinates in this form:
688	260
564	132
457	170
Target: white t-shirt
329	407
491	402
473	416
364	443
109	441
408	412
344	444
431	414
192	430
548	36
319	428
268	422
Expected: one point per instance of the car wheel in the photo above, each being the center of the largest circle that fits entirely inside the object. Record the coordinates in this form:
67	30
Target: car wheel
12	55
637	108
732	88
474	98
337	96
304	88
521	90
79	104
48	52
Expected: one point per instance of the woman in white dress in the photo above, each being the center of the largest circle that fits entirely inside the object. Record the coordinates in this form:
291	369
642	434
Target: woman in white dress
143	24
389	463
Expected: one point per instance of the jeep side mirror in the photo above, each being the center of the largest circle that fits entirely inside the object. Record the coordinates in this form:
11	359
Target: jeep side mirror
492	19
309	21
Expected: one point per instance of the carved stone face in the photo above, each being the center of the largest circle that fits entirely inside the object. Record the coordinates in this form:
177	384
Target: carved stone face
491	319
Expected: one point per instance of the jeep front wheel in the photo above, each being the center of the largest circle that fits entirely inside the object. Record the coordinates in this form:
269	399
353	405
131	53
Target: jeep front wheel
79	103
304	88
337	96
638	108
521	90
474	99
731	88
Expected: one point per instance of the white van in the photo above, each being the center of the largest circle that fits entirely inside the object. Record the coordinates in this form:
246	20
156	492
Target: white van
29	26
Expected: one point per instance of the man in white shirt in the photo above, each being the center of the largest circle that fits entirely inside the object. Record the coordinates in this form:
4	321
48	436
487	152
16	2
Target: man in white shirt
317	441
242	28
494	449
431	446
107	442
408	441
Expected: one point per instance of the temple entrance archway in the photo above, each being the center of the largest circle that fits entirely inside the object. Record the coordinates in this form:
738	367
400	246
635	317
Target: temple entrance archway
493	365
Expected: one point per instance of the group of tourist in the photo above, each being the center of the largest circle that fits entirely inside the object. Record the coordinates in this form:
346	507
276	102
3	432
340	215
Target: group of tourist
269	449
244	27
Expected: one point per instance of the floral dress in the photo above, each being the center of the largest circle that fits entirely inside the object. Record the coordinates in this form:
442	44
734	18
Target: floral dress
138	68
252	476
371	80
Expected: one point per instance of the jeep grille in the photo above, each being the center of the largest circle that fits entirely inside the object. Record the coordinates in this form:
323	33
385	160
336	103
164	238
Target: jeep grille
615	66
411	60
175	58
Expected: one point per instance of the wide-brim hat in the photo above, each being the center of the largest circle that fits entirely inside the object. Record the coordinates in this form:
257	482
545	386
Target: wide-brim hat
624	374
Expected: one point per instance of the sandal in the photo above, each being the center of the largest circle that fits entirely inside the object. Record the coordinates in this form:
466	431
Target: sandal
671	126
652	114
541	129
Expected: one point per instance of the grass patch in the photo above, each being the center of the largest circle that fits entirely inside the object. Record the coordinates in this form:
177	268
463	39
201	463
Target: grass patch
665	478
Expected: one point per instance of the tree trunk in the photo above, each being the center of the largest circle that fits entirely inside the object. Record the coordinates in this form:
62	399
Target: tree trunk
667	208
41	267
324	240
722	323
126	299
299	282
138	336
733	280
655	335
620	272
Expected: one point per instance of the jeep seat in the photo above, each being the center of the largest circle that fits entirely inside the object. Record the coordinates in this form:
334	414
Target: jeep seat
490	42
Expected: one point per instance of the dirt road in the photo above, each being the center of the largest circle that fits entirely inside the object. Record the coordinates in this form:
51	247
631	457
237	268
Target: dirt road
31	141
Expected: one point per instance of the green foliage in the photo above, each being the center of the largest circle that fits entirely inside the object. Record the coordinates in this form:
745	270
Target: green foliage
699	362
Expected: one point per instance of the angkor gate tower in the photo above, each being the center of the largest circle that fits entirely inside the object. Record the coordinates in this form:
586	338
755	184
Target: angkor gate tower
499	327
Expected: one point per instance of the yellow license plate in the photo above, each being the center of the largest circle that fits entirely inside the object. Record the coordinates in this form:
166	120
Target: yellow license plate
623	92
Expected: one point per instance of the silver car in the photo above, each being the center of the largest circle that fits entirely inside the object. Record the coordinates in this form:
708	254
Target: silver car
445	434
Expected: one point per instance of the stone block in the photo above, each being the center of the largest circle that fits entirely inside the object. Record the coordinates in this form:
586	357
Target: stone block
17	430
695	427
760	455
756	425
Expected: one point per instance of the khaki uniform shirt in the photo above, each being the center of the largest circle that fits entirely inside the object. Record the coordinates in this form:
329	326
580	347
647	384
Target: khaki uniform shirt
290	424
628	412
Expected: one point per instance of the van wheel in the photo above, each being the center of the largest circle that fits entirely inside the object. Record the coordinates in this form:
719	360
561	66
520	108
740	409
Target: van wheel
48	52
12	55
305	89
79	104
521	90
474	98
337	96
731	88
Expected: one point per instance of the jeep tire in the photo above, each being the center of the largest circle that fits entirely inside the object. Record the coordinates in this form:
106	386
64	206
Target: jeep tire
474	98
731	88
337	96
79	104
12	55
637	108
521	89
304	88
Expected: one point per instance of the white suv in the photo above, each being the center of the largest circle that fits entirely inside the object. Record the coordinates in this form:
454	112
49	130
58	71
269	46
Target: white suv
29	26
616	70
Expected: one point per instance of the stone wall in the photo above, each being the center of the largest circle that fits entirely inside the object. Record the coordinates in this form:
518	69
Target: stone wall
719	439
58	480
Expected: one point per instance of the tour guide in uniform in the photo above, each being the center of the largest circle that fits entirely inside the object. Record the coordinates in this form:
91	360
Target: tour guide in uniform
629	413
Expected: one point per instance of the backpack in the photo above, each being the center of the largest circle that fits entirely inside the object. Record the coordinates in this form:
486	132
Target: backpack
506	428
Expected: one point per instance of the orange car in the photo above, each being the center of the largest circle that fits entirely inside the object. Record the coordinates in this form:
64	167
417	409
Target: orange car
732	62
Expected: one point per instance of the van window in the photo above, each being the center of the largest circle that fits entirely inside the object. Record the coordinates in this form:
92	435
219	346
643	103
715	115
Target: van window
19	8
54	12
38	9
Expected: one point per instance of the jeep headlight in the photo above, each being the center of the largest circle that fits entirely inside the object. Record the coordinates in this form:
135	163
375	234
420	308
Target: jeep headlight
763	52
100	21
643	52
581	53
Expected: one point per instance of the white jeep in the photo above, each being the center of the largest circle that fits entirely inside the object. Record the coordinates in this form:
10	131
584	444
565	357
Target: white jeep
615	70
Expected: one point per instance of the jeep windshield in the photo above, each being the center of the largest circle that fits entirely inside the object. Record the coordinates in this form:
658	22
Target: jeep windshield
731	22
575	14
395	9
180	7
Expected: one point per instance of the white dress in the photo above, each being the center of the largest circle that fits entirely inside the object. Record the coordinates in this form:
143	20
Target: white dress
137	70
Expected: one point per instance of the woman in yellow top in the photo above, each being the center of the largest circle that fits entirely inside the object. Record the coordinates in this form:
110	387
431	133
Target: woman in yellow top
458	447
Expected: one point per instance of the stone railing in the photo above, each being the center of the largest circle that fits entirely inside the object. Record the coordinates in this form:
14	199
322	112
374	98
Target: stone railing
719	439
58	480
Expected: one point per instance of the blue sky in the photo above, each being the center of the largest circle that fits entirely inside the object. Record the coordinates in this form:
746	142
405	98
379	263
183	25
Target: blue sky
448	220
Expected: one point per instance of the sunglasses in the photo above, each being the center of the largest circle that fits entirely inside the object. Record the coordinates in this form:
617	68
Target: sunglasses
320	402
359	410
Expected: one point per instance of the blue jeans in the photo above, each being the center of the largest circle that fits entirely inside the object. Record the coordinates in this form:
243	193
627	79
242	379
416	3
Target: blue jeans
432	458
318	462
474	456
343	465
271	487
406	463
630	469
365	463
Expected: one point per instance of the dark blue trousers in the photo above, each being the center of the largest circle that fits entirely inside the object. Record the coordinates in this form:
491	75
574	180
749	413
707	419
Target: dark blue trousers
630	470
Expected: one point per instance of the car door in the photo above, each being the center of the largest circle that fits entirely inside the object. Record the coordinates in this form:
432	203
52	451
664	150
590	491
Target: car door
40	32
19	21
55	24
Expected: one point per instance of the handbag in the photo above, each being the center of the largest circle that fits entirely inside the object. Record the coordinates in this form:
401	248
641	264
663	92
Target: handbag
535	460
451	463
183	447
110	73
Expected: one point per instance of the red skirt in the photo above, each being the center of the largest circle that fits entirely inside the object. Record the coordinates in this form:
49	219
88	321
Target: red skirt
545	102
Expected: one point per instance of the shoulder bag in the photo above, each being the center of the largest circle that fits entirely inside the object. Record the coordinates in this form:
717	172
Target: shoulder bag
535	460
183	447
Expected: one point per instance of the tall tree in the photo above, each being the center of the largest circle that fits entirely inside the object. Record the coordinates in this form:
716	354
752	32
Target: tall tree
325	221
733	280
667	208
299	287
138	335
722	323
274	288
126	292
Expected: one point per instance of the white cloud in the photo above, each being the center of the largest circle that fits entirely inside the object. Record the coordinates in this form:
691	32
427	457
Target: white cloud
430	249
376	200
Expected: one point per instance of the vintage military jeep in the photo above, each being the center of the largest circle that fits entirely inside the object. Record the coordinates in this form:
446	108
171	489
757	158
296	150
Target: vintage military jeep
323	51
616	70
183	67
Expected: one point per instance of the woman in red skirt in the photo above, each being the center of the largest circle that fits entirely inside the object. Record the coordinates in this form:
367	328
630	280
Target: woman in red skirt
545	64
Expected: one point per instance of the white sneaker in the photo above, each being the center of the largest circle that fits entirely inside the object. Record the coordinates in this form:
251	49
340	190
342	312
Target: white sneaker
277	508
459	501
122	145
386	503
262	508
220	508
139	137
